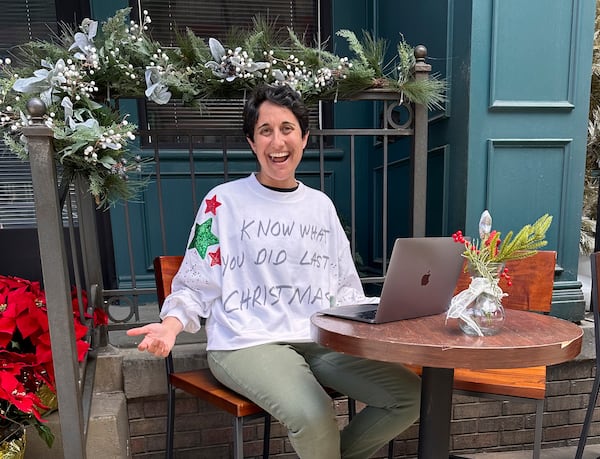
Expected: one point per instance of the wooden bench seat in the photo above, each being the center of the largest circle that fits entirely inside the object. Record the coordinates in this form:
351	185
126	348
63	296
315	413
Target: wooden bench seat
529	382
203	385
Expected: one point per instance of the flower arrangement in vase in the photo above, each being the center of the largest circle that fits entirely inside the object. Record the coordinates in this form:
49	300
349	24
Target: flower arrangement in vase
479	307
27	381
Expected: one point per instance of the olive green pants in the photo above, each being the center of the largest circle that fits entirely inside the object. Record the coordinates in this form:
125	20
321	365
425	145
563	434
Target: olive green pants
287	381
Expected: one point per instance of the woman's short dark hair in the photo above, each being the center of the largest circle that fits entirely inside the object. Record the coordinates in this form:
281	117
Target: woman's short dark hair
279	95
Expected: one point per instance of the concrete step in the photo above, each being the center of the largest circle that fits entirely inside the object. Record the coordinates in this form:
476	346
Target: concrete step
108	429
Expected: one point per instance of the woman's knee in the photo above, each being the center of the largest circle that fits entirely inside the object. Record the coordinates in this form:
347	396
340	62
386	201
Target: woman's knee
314	433
314	417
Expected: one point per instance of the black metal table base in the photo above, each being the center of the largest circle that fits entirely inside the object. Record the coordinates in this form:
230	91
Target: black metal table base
436	409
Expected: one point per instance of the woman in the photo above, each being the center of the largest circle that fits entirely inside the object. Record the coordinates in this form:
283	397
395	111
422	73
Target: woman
265	253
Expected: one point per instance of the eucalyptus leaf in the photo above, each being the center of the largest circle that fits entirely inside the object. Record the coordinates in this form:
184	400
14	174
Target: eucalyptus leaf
216	49
107	161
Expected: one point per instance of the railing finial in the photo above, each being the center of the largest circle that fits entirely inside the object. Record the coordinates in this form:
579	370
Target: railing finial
420	53
36	108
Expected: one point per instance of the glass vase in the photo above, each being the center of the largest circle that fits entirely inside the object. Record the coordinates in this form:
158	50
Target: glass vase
485	312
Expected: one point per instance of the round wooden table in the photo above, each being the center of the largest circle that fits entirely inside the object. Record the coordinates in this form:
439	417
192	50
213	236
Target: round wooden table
527	339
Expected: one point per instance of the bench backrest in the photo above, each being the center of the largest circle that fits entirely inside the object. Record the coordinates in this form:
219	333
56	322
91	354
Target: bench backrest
165	268
532	282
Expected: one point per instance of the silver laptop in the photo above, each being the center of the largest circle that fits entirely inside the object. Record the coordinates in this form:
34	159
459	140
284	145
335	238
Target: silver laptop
420	281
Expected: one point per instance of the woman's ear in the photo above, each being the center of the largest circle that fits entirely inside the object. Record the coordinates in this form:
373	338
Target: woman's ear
251	143
305	139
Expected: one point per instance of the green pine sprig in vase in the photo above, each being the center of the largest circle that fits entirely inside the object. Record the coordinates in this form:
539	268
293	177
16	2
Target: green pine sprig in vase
479	307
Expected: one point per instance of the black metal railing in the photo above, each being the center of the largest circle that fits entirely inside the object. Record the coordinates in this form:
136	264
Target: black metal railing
83	269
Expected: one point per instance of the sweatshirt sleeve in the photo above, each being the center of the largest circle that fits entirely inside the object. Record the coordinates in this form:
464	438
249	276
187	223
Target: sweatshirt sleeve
349	287
198	282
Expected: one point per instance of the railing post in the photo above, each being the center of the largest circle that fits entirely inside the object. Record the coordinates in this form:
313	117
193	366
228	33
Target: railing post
418	158
91	253
56	281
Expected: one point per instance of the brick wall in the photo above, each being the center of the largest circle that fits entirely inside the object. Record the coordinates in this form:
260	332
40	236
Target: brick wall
478	424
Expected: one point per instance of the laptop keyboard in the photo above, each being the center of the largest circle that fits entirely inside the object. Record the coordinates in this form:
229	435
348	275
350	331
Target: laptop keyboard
369	315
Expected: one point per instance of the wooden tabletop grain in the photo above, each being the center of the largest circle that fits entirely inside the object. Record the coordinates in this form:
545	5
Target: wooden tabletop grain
527	339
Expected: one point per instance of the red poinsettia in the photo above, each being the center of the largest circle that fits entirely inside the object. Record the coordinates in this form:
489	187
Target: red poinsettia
20	379
26	367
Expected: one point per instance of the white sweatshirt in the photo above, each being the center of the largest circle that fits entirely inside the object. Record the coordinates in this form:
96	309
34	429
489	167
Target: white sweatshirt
259	263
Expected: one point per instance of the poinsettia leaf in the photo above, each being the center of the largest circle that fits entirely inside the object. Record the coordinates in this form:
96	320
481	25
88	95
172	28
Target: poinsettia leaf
43	354
80	330
5	338
8	384
7	325
216	49
28	324
82	348
100	317
45	433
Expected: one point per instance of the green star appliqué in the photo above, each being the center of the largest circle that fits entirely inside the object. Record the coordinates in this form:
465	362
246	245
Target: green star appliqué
203	238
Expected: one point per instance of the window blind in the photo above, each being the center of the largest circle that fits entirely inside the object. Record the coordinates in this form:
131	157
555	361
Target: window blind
216	20
20	22
25	20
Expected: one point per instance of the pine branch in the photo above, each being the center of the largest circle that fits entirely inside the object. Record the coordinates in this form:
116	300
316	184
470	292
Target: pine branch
406	56
355	45
374	50
193	49
430	92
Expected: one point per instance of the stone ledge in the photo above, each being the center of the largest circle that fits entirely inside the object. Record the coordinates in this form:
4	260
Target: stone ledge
145	375
588	347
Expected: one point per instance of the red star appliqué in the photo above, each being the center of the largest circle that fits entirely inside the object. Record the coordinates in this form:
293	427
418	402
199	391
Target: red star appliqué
215	257
211	205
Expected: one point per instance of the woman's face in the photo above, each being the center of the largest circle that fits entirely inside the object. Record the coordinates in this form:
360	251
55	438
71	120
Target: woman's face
278	145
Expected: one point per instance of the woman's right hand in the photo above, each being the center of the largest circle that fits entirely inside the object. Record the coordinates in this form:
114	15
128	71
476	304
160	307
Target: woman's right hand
159	338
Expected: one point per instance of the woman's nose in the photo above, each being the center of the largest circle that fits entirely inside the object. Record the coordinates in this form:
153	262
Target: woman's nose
278	138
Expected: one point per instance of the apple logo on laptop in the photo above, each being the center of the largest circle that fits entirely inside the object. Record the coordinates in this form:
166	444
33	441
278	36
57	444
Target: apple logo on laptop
425	278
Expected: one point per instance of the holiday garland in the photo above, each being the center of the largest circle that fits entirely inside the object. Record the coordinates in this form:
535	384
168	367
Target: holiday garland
80	74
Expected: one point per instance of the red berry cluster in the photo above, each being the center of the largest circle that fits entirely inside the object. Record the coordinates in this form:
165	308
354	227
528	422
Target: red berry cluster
459	237
490	238
506	276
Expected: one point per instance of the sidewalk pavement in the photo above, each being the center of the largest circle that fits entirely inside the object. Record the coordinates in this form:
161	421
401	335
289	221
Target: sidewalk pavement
590	452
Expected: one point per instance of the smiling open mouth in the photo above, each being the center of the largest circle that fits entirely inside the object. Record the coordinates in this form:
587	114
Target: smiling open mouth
279	157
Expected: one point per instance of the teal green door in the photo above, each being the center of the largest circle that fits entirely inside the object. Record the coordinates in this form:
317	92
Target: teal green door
514	128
